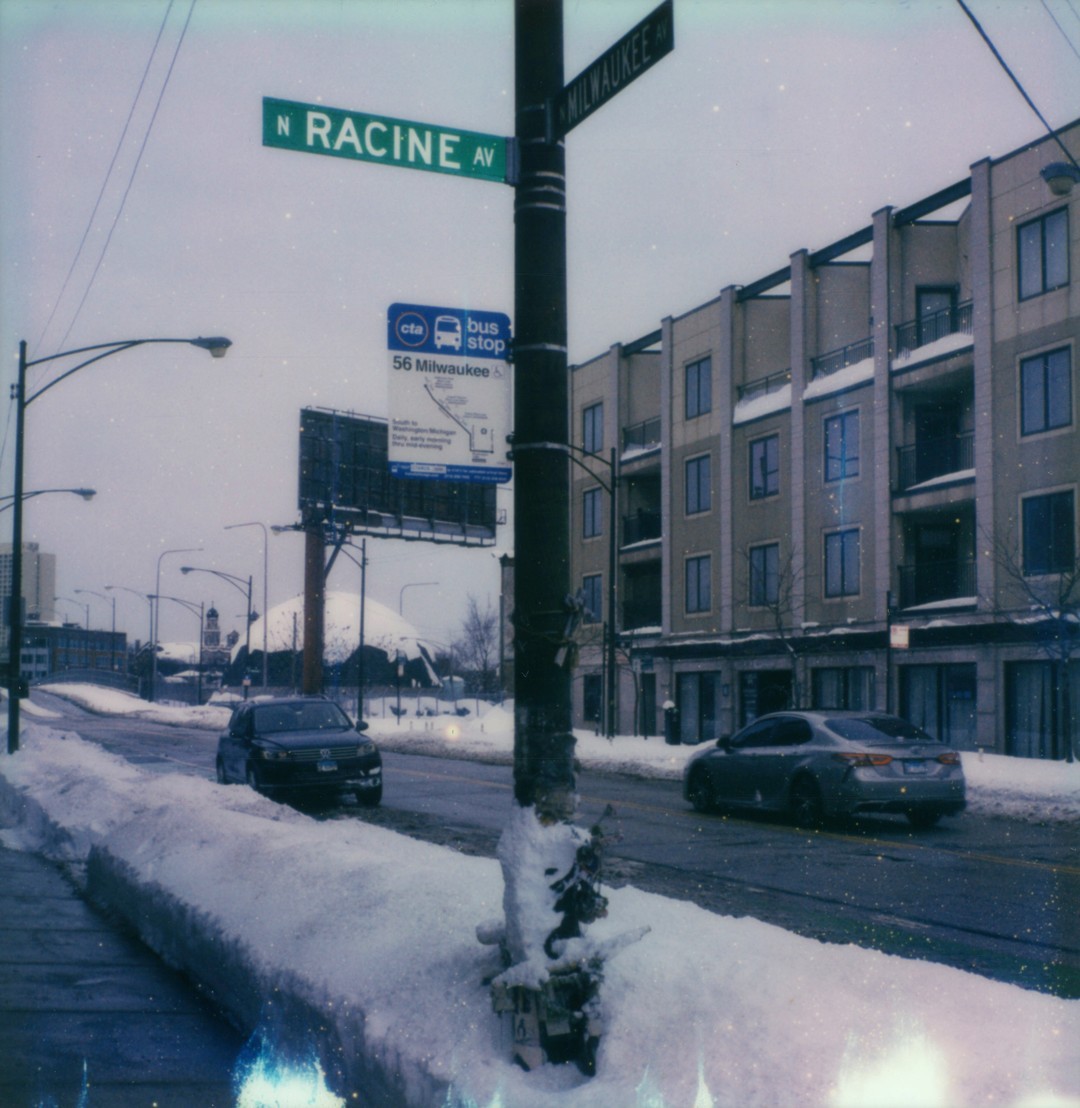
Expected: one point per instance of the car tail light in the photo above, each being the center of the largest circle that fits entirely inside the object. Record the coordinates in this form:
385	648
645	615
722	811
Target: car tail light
863	760
949	758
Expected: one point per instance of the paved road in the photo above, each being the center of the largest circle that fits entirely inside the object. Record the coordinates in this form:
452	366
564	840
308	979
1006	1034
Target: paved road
994	896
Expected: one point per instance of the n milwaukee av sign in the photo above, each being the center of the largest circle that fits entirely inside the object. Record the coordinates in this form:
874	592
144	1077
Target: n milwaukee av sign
637	51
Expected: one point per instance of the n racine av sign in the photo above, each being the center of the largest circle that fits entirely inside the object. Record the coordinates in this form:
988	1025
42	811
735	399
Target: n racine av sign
338	133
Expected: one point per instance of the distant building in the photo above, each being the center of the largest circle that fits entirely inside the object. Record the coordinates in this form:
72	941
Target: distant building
38	585
851	483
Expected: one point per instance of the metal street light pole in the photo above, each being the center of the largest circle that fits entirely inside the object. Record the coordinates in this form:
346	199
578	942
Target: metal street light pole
217	347
242	586
266	601
7	501
155	623
200	610
149	603
112	641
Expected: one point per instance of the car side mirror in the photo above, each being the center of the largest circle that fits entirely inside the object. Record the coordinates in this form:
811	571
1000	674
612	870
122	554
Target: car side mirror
724	742
361	725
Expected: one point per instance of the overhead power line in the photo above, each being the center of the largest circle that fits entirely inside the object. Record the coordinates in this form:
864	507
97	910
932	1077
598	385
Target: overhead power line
134	171
1016	81
108	174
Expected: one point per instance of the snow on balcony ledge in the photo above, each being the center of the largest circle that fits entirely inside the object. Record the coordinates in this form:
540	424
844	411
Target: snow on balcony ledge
949	344
842	379
758	406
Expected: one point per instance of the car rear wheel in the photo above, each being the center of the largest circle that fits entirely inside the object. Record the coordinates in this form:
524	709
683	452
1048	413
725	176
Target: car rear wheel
805	803
700	792
220	770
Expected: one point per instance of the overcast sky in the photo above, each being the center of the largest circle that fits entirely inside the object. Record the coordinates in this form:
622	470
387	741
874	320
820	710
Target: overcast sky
771	127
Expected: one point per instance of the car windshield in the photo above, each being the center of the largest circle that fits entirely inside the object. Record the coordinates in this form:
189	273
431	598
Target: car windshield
273	718
878	730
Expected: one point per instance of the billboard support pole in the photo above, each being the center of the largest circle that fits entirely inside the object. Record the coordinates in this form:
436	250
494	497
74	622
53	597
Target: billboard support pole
314	608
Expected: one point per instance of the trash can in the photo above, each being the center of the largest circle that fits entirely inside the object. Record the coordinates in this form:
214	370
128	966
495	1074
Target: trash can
671	724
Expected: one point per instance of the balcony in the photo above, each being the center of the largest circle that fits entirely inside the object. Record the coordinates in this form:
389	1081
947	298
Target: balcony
836	360
938	325
935	458
641	436
764	386
933	582
641	526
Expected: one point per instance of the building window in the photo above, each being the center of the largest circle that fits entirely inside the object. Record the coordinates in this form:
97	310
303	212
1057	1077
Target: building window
592	428
765	467
842	446
1049	534
593	523
764	574
698	388
850	688
842	563
1045	392
592	592
1043	253
941	700
1037	724
698	587
698	485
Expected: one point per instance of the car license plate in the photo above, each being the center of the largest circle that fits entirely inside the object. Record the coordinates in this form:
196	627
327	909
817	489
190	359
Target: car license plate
326	767
915	768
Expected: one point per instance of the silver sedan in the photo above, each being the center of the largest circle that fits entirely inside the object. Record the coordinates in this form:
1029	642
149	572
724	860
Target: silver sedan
820	764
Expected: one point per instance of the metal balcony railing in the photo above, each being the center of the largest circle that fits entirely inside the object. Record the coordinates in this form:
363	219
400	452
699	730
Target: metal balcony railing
640	526
928	582
935	458
641	436
836	360
919	332
763	386
641	613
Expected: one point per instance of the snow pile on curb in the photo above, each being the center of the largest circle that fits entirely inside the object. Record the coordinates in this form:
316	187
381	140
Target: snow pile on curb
360	943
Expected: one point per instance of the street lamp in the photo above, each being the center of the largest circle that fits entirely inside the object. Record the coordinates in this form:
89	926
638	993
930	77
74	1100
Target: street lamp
112	641
86	607
155	617
150	604
7	501
266	602
241	585
200	611
217	347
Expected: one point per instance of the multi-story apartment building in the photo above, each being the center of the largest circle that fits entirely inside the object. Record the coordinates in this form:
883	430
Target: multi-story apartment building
852	482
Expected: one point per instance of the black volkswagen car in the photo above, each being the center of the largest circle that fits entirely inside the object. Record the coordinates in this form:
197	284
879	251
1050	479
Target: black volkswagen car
296	746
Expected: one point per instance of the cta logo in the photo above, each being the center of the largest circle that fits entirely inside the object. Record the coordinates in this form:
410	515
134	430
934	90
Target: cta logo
411	329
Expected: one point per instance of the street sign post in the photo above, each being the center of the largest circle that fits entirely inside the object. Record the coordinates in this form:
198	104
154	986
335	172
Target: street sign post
449	393
337	133
637	51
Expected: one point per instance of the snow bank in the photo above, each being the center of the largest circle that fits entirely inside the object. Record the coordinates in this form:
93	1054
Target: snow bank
361	943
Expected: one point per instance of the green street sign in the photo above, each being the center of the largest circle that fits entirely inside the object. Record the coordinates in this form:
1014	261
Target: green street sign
372	138
638	50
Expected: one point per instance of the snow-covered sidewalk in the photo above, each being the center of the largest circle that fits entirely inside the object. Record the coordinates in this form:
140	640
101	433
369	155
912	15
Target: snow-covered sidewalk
358	945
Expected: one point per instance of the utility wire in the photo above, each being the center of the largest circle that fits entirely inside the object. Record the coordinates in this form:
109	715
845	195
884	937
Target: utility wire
108	174
1060	28
134	171
1023	92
